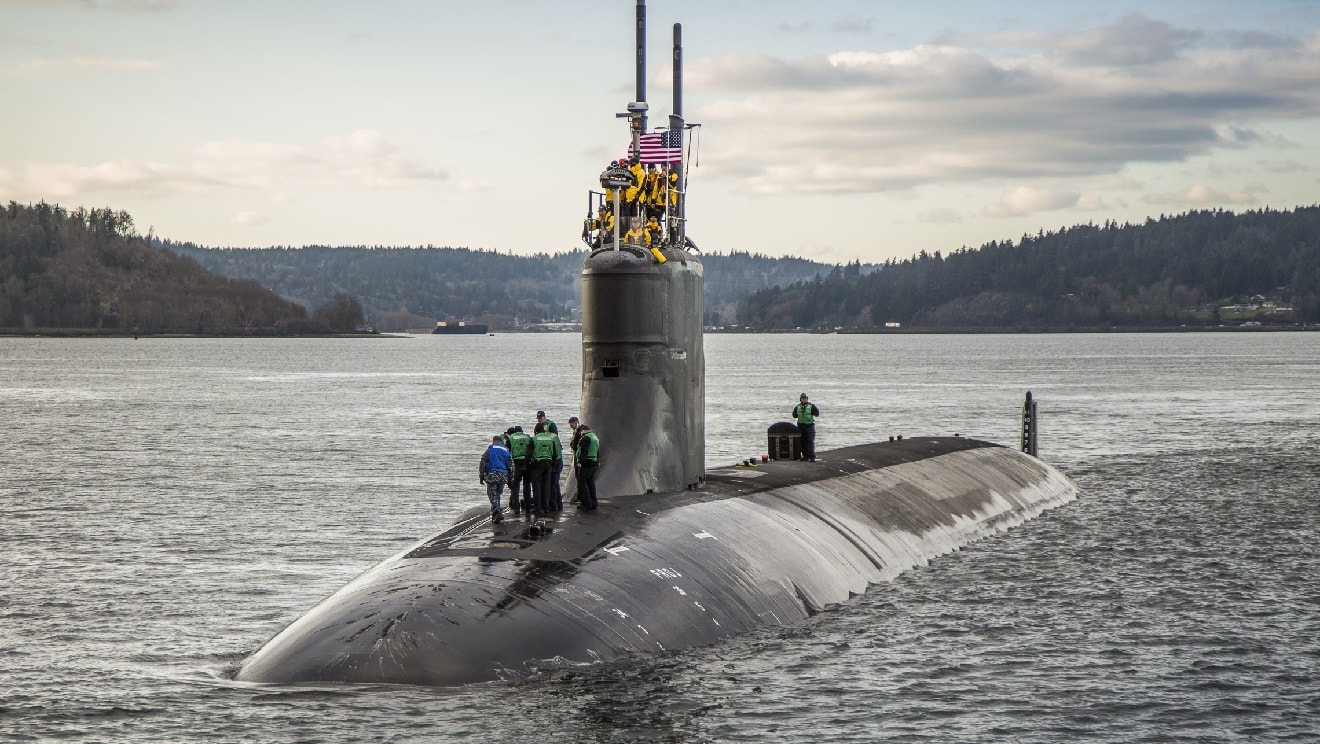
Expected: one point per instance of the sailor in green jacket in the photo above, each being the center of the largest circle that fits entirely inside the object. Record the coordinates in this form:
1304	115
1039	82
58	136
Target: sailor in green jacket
805	414
543	423
520	486
547	451
586	458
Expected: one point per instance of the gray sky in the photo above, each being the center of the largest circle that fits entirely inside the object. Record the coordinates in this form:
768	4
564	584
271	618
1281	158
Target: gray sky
834	130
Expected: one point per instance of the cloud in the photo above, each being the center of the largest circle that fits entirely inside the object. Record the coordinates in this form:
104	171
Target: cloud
1074	106
117	6
853	25
941	216
1134	40
1200	195
362	158
39	64
1024	200
372	159
1284	166
60	180
796	28
249	218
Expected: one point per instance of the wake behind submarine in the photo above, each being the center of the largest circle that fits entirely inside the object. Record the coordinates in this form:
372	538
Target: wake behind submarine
676	556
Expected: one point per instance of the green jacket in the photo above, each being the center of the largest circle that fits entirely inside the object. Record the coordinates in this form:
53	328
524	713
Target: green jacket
805	413
546	448
520	445
588	449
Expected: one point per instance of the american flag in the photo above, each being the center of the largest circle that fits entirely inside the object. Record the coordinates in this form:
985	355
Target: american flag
662	147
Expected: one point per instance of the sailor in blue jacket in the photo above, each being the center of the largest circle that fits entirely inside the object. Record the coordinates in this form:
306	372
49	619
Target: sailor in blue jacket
496	465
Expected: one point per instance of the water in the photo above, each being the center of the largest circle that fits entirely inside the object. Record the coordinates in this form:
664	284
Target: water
168	505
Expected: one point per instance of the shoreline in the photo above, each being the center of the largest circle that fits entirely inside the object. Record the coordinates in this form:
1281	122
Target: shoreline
95	333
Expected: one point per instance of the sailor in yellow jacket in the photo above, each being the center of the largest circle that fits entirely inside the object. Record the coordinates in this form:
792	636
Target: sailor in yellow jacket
637	233
653	230
654	190
603	226
671	191
609	190
633	194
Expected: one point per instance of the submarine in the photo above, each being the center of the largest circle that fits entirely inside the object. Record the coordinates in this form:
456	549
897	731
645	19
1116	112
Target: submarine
676	555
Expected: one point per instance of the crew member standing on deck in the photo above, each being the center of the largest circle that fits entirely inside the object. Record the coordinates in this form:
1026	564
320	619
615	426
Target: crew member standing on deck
556	493
573	442
546	451
544	424
520	486
805	414
494	472
574	425
586	458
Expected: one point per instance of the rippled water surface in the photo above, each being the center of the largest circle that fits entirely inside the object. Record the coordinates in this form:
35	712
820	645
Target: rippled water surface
168	505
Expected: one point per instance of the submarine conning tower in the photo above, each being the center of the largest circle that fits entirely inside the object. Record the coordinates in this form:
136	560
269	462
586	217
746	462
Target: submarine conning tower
644	369
643	366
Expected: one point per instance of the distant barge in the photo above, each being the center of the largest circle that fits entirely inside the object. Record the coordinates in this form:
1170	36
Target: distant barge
458	326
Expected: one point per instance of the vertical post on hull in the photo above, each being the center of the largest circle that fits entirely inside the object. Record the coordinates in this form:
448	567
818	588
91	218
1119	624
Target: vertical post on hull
1029	426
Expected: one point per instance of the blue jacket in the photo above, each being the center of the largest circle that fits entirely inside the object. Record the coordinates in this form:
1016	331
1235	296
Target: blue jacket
496	459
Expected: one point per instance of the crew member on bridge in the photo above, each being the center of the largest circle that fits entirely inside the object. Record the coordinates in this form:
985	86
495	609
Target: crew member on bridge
637	233
602	225
653	231
633	195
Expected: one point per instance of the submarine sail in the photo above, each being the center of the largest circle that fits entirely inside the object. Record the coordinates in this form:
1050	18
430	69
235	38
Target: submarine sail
643	362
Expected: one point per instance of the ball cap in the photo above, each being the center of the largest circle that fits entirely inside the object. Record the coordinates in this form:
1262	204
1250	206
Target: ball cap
539	414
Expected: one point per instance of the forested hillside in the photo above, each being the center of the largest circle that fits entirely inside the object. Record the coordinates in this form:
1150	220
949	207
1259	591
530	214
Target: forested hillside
89	270
1169	271
414	287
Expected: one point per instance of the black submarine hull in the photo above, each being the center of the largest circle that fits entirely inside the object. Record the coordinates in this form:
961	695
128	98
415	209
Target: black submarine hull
754	547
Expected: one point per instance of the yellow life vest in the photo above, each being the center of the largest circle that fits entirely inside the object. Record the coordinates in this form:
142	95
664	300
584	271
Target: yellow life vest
639	178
